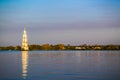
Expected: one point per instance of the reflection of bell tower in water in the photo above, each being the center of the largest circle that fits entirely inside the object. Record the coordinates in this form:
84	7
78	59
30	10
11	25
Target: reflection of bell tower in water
24	64
25	41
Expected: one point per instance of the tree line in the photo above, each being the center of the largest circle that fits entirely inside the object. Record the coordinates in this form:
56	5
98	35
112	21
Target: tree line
64	47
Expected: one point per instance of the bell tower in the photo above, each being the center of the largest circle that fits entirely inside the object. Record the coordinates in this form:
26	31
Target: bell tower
25	41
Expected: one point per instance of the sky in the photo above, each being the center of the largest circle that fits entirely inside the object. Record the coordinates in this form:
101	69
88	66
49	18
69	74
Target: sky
72	22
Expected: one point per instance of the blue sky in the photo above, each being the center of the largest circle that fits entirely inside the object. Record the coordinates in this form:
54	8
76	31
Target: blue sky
60	21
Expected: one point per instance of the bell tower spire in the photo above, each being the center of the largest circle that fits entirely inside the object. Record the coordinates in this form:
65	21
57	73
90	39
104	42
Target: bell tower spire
25	40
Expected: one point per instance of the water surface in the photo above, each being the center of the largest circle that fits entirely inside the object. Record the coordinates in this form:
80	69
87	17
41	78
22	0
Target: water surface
60	65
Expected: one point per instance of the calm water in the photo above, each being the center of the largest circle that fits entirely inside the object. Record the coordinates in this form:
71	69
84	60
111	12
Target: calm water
60	65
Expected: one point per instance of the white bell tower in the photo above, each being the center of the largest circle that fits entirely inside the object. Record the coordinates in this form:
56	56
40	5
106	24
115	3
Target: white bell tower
25	41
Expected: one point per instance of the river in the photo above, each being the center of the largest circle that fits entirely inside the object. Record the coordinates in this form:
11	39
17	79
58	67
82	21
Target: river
60	65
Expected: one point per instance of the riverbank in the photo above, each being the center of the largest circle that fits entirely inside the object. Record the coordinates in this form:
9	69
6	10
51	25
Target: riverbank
64	47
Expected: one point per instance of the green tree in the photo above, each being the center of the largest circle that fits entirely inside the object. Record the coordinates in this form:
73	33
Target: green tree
45	47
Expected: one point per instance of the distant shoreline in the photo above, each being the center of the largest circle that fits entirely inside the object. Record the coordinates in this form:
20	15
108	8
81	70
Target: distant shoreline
61	50
50	47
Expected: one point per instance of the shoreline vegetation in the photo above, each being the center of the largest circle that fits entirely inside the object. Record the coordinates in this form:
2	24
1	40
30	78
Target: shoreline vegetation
63	47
